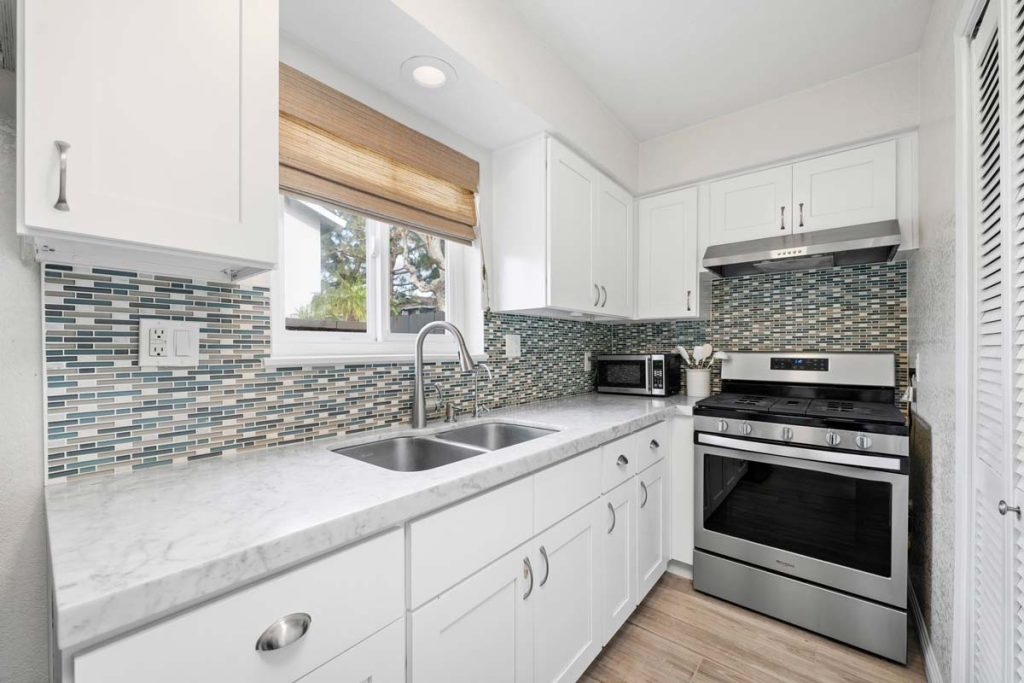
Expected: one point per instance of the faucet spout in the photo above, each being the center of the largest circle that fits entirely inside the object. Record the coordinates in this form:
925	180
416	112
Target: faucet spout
419	404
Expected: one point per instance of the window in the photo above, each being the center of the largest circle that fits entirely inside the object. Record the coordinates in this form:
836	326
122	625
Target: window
350	284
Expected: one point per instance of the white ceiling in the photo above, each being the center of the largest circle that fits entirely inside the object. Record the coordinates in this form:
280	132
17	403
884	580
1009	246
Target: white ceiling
369	39
661	65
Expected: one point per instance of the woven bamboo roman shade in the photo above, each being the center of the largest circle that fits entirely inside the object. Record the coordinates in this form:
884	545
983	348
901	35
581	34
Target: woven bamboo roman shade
341	151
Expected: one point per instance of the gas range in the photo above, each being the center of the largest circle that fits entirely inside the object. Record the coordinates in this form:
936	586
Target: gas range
802	483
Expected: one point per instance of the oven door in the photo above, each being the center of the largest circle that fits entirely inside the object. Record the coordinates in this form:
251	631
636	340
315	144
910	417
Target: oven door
624	374
832	524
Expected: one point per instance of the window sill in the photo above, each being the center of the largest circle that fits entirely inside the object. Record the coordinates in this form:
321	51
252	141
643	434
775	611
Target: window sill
275	362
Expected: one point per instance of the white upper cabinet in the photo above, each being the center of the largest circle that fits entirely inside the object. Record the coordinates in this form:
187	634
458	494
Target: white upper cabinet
612	249
667	256
572	200
169	116
563	234
848	188
751	206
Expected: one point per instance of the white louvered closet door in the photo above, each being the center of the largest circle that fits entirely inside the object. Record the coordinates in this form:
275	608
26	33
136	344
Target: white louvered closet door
992	357
1015	475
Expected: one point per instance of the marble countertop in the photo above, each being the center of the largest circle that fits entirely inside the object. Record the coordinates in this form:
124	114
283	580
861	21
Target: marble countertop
128	550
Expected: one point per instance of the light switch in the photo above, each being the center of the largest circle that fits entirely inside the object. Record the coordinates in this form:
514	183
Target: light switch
168	343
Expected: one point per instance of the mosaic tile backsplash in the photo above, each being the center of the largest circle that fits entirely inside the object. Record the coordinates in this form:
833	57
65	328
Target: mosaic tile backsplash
105	415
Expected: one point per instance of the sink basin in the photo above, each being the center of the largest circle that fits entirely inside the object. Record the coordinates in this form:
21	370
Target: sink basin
409	453
494	435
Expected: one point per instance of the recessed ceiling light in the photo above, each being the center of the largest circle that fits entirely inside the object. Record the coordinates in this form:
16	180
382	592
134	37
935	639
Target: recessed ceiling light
429	72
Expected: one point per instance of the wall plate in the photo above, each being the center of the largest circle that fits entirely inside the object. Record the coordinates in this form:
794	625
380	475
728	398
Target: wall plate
168	343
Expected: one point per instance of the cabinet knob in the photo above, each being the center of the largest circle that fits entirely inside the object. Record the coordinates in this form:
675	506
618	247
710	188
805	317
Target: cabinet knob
62	196
284	632
1003	508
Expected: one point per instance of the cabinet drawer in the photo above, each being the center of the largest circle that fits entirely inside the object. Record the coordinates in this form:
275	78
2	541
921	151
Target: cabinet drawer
564	488
652	443
378	659
449	545
349	595
618	462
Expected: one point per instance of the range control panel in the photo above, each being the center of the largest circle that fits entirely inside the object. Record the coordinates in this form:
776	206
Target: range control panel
814	364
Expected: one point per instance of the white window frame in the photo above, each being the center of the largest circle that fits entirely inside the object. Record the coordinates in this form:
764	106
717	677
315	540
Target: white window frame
378	343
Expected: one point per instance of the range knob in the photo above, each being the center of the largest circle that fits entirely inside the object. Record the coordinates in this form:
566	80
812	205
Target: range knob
832	439
787	434
863	442
745	429
723	426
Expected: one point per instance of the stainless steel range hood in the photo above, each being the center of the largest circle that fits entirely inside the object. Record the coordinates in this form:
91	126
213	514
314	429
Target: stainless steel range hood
852	245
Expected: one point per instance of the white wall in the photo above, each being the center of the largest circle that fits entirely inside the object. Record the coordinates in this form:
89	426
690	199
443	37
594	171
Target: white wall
865	105
932	323
24	593
494	38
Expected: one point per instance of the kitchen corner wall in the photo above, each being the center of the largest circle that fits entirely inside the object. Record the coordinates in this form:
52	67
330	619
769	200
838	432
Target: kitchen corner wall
106	415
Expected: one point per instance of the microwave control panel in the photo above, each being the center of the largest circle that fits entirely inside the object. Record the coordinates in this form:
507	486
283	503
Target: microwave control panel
657	374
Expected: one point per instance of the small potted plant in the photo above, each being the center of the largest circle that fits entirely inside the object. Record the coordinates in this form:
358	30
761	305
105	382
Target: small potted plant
698	368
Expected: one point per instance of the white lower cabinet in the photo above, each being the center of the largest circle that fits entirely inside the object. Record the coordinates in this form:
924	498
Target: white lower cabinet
566	621
378	659
652	530
480	630
618	561
347	596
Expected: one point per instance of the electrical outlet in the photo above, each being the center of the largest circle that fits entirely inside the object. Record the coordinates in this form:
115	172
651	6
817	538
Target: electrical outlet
586	361
513	346
168	343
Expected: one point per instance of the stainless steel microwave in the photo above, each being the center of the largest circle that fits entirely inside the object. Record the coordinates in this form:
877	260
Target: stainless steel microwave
644	374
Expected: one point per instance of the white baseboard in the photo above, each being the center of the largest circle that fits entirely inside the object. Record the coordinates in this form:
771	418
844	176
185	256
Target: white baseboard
931	666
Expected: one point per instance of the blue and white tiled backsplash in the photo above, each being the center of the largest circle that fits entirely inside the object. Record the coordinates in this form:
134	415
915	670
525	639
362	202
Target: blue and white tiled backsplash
105	415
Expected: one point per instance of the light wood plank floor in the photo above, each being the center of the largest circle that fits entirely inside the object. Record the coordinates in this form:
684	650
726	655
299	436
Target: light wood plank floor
678	634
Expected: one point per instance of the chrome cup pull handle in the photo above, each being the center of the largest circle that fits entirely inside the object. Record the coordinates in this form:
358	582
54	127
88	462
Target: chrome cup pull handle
611	509
643	487
62	196
547	565
655	444
622	461
528	574
284	632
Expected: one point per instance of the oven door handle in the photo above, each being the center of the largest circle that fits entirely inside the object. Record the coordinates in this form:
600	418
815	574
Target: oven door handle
877	462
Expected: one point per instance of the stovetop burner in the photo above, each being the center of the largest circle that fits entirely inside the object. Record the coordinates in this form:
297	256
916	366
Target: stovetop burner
859	411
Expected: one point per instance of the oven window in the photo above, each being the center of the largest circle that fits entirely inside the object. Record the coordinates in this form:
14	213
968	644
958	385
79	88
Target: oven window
622	374
838	519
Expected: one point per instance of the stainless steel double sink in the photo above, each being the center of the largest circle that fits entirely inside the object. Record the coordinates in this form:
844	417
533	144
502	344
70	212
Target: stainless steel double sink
419	453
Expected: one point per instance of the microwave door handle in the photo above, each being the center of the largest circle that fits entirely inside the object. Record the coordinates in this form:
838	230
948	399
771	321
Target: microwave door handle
650	375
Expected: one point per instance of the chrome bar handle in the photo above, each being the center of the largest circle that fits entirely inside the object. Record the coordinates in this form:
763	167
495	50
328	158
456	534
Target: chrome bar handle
643	487
1004	508
597	295
782	218
284	632
604	293
801	214
547	565
528	574
689	294
62	196
611	509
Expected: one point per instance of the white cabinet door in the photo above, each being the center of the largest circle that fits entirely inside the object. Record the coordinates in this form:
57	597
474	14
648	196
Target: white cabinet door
613	249
847	188
572	200
667	259
751	206
651	538
566	617
618	559
170	111
480	630
378	659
